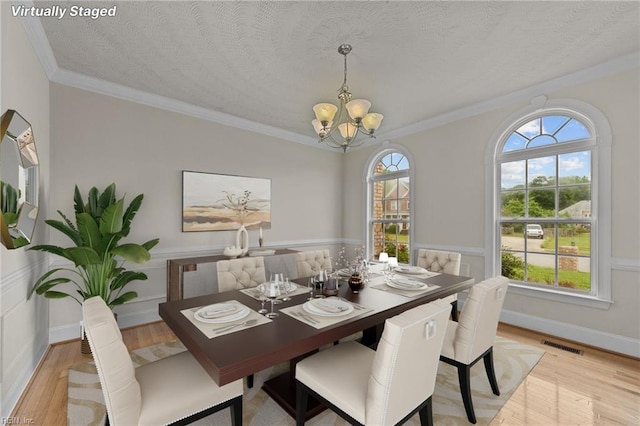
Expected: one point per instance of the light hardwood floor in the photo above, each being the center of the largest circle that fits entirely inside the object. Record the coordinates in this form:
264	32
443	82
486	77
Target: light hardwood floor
596	388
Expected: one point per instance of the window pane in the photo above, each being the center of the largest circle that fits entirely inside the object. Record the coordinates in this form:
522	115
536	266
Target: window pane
574	167
574	237
512	250
378	239
397	241
530	129
541	269
552	123
574	272
574	130
541	141
541	171
512	204
512	174
535	238
514	143
378	210
575	201
541	203
378	190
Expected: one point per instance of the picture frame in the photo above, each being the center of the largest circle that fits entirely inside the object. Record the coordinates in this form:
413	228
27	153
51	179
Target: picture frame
220	202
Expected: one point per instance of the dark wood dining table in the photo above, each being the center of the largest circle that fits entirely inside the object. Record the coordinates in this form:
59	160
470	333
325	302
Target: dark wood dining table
239	354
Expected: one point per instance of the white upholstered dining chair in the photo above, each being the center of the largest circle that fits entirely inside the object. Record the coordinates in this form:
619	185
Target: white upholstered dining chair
382	387
236	274
442	261
172	390
471	339
311	262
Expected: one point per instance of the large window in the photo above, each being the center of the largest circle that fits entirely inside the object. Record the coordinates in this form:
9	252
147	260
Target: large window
547	175
389	216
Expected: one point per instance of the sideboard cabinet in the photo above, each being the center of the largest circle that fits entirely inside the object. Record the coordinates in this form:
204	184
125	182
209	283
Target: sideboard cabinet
194	276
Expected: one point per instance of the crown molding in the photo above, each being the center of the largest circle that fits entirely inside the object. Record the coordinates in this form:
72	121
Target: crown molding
606	69
40	43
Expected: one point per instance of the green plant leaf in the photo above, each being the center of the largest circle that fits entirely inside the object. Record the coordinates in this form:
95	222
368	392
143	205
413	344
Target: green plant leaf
67	221
111	220
83	256
47	285
123	298
132	252
89	231
130	213
108	196
56	295
66	230
59	251
43	279
151	243
93	207
78	204
10	218
126	277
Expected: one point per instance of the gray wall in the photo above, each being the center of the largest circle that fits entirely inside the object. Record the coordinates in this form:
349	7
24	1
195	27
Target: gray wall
24	324
98	139
450	198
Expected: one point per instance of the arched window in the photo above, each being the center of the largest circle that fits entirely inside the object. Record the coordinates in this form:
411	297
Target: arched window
389	204
547	168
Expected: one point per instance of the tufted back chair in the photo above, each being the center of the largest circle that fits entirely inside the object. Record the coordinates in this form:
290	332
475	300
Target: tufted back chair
310	263
384	386
403	346
471	339
476	329
439	261
236	274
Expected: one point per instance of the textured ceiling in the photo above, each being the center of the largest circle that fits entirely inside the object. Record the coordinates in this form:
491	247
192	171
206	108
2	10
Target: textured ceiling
270	62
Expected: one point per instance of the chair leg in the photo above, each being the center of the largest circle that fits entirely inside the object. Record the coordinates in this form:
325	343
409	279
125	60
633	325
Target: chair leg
464	379
491	374
236	412
250	381
426	414
301	404
454	310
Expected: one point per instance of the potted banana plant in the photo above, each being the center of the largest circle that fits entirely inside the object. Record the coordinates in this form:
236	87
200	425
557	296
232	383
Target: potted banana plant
96	250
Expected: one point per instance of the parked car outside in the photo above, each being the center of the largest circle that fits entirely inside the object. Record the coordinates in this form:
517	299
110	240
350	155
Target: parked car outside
534	231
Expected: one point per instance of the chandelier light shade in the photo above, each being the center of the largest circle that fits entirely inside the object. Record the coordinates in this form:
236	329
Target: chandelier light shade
351	118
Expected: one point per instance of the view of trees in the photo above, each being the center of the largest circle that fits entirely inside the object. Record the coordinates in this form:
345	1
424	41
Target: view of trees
572	189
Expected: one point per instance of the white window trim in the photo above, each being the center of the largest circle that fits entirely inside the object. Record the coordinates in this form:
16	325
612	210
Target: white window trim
601	192
373	159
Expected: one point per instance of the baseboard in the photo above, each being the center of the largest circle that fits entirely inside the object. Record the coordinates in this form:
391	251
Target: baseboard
600	339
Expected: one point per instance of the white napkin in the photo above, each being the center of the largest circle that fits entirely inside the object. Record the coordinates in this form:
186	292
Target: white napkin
327	307
214	311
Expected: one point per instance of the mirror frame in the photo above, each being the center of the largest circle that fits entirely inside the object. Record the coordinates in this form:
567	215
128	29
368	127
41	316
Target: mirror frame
18	231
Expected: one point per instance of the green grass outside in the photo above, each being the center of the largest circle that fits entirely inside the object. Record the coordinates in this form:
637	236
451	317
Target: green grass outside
542	275
582	241
402	239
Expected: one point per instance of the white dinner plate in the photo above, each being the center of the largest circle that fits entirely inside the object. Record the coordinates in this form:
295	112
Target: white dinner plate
309	307
410	270
241	313
410	285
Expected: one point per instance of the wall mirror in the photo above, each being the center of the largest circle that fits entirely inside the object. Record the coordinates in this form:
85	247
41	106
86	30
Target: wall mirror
18	180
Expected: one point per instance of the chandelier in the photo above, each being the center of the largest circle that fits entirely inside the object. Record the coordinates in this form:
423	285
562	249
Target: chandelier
353	117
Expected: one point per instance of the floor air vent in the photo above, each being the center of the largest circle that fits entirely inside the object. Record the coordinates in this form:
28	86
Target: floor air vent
563	347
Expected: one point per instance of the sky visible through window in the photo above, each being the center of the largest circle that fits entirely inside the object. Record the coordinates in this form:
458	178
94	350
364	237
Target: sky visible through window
545	131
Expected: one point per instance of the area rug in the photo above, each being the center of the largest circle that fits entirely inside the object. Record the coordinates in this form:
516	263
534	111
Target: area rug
513	361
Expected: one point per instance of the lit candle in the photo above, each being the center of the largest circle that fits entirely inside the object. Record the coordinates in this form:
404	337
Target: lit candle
261	232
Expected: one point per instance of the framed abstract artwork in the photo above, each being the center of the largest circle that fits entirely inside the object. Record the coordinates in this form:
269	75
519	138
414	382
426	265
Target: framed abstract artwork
216	202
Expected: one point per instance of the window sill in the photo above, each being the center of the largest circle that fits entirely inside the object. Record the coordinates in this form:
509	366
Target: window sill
559	296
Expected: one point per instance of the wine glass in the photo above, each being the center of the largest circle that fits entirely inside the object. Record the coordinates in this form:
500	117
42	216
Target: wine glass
261	291
320	281
272	293
311	286
286	287
276	277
